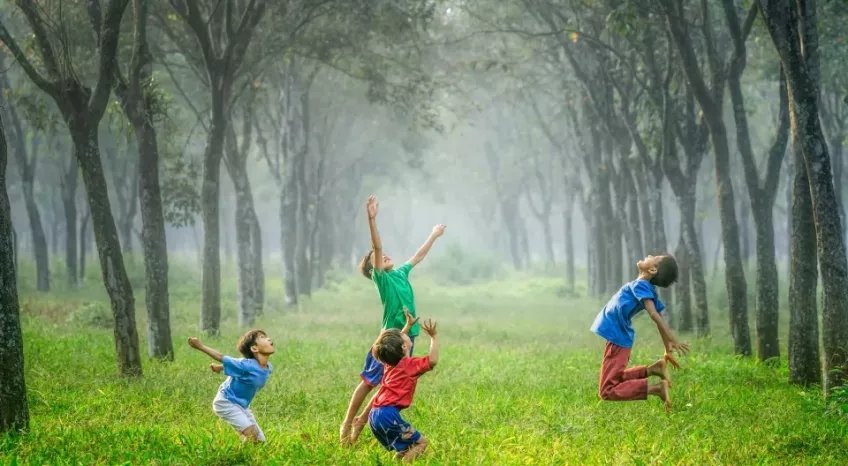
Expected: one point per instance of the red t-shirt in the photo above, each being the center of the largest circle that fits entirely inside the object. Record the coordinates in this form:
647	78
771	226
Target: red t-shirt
398	384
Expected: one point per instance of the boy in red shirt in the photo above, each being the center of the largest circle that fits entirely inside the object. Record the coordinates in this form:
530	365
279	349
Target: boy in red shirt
397	388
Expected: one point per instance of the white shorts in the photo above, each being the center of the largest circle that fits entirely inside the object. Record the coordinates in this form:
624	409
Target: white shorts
238	417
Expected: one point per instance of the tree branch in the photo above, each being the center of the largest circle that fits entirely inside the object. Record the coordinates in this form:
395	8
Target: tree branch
108	60
48	87
778	148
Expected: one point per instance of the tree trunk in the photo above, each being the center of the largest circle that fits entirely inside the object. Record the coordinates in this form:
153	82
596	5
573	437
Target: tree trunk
744	234
210	307
804	358
568	223
249	247
69	202
806	132
109	250
509	214
548	237
14	414
288	236
302	252
682	290
55	203
83	243
154	243
793	28
696	268
26	163
734	271
129	219
837	156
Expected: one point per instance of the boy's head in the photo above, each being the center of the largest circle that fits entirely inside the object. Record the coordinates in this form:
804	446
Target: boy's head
255	342
367	264
392	346
662	269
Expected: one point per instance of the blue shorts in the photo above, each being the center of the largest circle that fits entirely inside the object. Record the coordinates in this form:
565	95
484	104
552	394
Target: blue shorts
391	430
372	373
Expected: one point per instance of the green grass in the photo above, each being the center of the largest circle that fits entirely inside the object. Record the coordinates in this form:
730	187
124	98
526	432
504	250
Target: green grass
517	384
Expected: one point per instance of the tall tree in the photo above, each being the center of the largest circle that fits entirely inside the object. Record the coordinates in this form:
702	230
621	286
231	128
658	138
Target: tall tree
793	29
82	109
223	37
14	413
761	193
26	161
141	103
710	101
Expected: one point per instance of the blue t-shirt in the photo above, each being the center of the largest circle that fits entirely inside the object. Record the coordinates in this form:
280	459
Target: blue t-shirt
614	321
245	378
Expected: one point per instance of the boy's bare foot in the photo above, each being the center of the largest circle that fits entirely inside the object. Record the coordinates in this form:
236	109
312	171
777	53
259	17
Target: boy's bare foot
664	395
358	427
660	369
344	433
661	390
414	451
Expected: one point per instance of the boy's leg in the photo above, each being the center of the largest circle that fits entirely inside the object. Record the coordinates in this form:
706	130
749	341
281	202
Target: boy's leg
359	422
240	418
359	394
371	375
255	430
617	383
416	450
660	390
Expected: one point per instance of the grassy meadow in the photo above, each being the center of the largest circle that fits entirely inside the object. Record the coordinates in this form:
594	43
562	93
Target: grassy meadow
517	384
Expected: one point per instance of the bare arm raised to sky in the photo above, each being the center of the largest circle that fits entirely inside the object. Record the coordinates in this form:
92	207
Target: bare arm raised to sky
438	231
376	243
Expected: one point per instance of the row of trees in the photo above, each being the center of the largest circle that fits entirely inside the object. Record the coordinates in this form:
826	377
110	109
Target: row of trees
633	94
251	58
601	107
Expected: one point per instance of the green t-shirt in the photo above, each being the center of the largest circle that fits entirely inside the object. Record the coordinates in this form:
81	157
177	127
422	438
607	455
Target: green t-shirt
395	293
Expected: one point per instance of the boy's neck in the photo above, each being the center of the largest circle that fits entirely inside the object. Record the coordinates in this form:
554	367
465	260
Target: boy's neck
644	276
262	359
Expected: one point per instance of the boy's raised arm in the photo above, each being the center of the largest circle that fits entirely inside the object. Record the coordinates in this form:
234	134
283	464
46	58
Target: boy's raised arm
438	230
376	243
196	344
430	328
410	321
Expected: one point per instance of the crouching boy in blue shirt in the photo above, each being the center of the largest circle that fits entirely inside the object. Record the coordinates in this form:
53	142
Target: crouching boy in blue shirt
245	377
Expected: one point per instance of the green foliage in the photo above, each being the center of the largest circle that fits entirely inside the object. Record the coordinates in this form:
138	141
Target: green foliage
517	384
92	314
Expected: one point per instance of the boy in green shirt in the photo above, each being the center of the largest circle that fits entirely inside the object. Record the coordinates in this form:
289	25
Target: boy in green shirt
396	294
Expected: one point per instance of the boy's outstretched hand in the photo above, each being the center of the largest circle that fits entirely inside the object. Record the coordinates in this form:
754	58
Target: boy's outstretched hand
675	346
430	327
439	230
372	206
194	342
410	321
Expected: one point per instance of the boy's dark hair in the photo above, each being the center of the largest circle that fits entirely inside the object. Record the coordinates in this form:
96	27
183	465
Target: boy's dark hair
247	340
365	266
666	272
389	347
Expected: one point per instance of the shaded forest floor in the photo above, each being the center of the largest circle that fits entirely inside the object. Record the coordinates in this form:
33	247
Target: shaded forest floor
517	384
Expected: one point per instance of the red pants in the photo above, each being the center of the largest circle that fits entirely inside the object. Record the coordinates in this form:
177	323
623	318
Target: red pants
618	383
